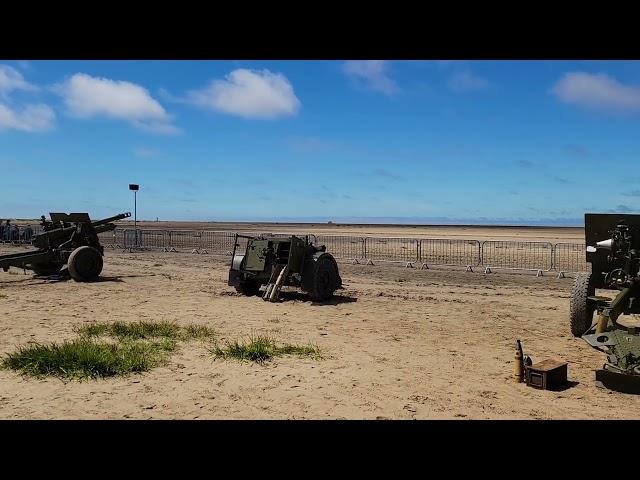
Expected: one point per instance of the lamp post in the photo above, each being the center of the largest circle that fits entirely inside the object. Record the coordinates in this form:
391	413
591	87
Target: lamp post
135	187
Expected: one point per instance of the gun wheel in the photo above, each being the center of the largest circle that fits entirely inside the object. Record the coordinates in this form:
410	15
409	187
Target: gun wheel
85	264
325	279
248	288
581	315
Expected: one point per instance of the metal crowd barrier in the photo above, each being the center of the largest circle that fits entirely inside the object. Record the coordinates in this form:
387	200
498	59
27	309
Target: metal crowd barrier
514	255
492	255
436	251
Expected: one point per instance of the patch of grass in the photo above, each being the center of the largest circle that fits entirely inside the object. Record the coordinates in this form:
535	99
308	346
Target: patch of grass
197	331
139	347
83	359
145	331
262	348
300	350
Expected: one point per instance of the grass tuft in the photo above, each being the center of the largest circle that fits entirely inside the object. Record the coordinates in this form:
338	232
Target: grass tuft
146	330
197	332
261	349
83	358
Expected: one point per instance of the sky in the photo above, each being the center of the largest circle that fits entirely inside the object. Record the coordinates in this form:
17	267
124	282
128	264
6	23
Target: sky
515	142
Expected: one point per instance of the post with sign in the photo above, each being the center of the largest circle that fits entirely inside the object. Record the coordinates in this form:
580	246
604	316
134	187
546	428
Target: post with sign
135	187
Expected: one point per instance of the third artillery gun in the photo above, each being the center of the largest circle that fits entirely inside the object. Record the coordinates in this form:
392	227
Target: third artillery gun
67	239
613	250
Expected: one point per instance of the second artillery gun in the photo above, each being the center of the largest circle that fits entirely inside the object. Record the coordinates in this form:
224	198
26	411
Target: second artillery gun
279	261
67	239
613	250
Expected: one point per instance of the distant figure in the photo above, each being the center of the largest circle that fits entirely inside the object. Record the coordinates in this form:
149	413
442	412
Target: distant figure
15	233
7	231
26	234
46	225
1	231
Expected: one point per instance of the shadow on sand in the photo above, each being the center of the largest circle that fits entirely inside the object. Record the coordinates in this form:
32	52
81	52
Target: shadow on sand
303	297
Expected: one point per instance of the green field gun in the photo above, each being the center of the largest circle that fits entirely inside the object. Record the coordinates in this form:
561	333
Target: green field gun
283	261
67	239
613	250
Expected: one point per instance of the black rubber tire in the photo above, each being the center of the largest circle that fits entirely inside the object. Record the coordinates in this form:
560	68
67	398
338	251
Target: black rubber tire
46	268
581	313
248	288
325	279
85	264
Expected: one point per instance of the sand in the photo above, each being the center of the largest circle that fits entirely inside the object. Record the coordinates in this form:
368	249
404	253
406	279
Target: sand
545	234
397	344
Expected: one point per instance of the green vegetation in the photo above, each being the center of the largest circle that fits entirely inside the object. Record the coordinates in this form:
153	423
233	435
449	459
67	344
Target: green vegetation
139	347
262	348
146	330
83	358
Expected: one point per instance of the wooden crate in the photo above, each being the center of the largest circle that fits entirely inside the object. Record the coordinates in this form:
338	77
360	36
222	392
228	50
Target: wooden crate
546	375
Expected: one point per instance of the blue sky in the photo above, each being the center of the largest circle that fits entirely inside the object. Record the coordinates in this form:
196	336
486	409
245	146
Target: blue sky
398	141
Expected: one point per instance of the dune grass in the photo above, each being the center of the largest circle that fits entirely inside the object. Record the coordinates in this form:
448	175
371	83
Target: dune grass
138	348
261	349
86	359
146	330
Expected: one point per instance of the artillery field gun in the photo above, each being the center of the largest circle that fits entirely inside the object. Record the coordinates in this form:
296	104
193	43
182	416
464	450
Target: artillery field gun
279	261
67	239
613	250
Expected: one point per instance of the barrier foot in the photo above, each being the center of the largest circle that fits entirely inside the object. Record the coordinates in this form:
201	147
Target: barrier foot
469	268
370	262
561	275
539	274
424	267
355	262
487	270
409	265
204	251
195	250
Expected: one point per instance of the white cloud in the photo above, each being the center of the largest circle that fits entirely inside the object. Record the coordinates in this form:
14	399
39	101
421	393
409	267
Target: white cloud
11	79
597	91
249	94
373	73
466	81
32	118
87	97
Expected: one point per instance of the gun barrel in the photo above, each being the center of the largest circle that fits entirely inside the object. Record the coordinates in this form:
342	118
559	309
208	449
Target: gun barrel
111	219
105	228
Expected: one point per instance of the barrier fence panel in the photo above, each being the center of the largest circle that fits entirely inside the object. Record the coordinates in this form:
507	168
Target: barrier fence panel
570	257
218	242
155	239
128	238
343	247
185	239
118	238
436	251
517	255
390	249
